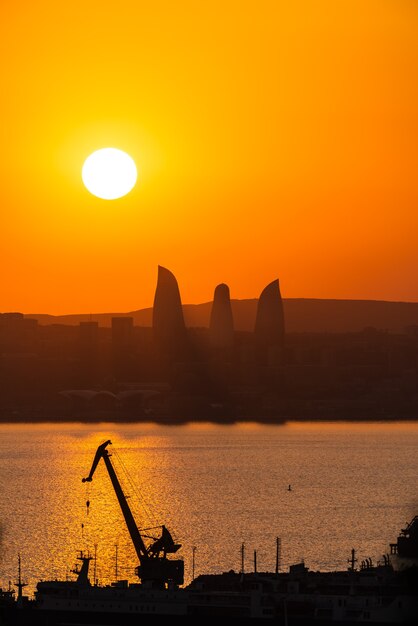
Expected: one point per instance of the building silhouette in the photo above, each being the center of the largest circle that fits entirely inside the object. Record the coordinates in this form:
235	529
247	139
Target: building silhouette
269	327
221	325
217	371
88	353
169	329
123	363
122	332
17	333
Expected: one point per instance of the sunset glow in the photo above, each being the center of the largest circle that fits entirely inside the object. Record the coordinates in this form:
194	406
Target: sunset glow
272	140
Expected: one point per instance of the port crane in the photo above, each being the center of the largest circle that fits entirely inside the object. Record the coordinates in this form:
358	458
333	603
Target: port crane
154	566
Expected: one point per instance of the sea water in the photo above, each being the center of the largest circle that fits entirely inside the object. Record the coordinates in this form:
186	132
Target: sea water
234	496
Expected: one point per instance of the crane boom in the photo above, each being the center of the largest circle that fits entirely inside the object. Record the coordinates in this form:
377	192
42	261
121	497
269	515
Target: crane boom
153	566
137	540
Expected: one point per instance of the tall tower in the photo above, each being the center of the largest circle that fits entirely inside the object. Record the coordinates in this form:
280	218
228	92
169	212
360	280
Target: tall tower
221	326
168	324
269	325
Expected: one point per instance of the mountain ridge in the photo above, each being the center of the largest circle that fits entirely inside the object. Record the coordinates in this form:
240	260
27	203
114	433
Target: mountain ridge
301	315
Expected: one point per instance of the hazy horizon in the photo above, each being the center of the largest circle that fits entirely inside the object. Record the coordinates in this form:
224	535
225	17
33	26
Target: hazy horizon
205	302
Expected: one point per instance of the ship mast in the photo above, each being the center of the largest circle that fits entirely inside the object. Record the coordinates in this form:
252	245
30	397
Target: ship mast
19	584
352	561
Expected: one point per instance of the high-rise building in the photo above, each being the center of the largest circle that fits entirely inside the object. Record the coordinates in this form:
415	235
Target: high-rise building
169	328
269	325
221	326
18	333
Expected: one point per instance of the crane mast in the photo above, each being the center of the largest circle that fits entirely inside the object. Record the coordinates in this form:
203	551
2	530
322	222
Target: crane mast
153	563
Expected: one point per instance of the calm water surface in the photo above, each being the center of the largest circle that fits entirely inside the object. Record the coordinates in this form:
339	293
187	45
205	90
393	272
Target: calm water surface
214	487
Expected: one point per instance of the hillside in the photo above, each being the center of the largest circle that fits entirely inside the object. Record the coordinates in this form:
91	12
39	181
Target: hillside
301	315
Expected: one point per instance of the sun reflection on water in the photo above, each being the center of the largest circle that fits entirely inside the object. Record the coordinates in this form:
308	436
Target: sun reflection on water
214	487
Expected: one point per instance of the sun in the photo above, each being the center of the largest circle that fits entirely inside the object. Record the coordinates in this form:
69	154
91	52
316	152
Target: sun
109	173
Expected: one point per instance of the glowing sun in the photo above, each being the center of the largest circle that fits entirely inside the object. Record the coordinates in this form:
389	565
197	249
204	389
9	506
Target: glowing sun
109	173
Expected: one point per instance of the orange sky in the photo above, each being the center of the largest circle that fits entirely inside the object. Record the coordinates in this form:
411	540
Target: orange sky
273	140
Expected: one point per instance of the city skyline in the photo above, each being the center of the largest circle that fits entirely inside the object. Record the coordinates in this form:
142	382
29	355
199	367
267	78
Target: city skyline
299	314
270	140
209	260
282	361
